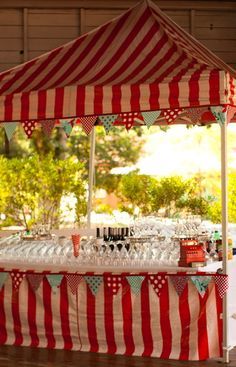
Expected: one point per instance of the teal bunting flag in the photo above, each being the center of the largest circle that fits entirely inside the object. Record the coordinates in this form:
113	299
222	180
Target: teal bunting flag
10	128
3	278
220	114
201	283
93	282
54	280
67	126
135	283
107	121
150	117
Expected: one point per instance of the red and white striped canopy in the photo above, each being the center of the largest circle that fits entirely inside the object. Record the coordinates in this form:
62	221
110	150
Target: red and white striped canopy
140	61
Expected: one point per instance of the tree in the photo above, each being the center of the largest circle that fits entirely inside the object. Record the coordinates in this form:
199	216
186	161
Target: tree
31	188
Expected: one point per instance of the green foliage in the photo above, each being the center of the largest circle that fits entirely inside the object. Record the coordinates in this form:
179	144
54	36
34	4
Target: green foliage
31	188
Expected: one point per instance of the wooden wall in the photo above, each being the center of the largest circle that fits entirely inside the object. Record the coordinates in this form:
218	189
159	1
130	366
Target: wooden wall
29	28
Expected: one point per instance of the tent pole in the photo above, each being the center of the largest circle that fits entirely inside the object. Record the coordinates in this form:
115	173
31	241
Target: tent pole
91	176
224	216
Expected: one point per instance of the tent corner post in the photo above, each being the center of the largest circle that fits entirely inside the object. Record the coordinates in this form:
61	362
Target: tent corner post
224	220
91	177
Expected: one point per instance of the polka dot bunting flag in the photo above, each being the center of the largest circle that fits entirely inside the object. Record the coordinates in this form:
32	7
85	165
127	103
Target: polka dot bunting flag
93	282
34	280
29	127
158	282
129	118
222	284
171	115
135	282
17	278
107	121
113	283
73	281
179	283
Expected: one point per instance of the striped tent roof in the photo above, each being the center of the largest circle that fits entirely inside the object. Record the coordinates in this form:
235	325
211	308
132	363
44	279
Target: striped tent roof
140	61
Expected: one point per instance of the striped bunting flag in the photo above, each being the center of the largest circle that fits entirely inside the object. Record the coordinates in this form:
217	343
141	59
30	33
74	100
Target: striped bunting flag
3	278
107	121
135	282
150	117
201	283
10	128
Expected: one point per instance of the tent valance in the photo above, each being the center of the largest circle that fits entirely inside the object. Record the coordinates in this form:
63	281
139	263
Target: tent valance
139	61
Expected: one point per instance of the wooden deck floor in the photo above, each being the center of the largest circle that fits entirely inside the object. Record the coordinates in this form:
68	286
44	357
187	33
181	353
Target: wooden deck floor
32	357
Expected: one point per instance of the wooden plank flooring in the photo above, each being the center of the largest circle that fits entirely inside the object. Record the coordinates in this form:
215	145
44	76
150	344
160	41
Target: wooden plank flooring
33	357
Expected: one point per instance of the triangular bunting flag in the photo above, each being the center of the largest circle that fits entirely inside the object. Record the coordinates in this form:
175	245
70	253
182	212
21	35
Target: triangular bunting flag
17	278
73	281
201	283
67	126
231	111
222	283
10	128
150	117
179	282
135	282
3	278
93	282
158	281
87	123
54	280
34	280
29	127
129	118
220	114
48	126
195	114
113	282
171	115
107	121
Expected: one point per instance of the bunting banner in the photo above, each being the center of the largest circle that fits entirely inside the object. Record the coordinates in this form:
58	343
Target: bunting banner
179	282
93	282
3	278
107	121
29	127
150	117
34	280
222	283
54	280
158	282
171	115
201	283
17	278
113	282
73	281
10	128
48	126
129	119
231	111
220	114
67	126
87	123
135	282
195	114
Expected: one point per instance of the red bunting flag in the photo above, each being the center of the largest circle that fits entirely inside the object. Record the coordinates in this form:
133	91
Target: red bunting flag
17	278
87	123
29	127
171	115
113	283
48	126
158	282
73	281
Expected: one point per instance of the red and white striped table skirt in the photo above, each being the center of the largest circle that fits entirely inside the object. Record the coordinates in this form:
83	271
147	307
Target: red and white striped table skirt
186	327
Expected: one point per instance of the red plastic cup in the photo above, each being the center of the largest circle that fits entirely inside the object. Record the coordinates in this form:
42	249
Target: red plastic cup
76	243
